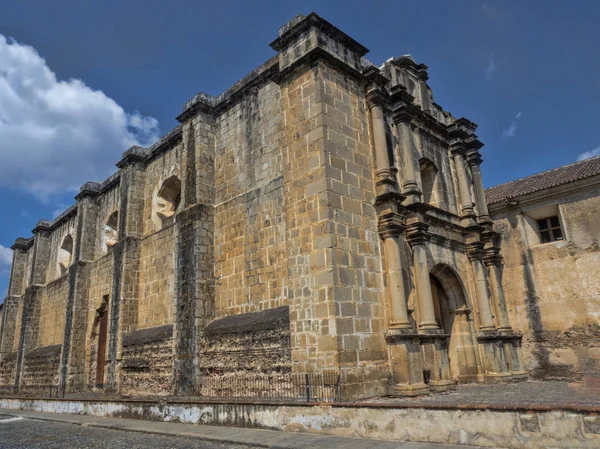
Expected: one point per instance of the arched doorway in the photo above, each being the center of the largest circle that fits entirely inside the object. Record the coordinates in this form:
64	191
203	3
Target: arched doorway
452	315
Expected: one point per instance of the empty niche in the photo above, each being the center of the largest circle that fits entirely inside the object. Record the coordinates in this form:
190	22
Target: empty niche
168	198
65	254
110	231
428	180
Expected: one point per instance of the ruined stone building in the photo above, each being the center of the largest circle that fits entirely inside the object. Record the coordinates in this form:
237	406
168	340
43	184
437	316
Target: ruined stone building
550	227
324	215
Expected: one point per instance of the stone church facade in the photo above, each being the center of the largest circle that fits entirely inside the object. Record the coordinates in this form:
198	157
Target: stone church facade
322	216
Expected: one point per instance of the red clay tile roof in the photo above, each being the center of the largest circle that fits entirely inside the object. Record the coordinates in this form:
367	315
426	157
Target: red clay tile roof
545	180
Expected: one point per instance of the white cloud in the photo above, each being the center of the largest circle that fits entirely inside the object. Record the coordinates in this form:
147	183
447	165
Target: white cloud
5	258
588	154
512	129
491	67
57	134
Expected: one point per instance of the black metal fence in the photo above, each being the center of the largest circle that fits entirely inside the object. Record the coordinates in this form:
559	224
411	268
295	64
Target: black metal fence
321	387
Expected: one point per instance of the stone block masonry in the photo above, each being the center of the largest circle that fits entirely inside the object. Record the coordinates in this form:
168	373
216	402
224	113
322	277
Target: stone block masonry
317	218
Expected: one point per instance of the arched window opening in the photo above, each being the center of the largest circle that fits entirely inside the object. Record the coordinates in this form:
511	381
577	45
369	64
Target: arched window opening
110	233
65	254
168	198
428	179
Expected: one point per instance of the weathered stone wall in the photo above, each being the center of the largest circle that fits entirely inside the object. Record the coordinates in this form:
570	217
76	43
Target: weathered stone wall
7	369
250	238
68	227
553	290
159	169
247	355
19	315
41	369
147	365
157	284
445	188
101	272
52	312
108	203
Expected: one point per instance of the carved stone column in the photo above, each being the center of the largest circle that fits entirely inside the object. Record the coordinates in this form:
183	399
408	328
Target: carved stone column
376	99
390	229
475	255
493	261
403	341
417	236
464	191
406	149
474	160
423	77
510	340
434	343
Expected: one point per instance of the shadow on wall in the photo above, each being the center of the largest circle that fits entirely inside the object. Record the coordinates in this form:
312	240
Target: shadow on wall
545	368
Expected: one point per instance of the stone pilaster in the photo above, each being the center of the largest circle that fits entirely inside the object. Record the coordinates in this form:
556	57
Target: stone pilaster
493	261
510	341
15	292
466	202
434	343
493	355
406	147
474	160
194	293
417	237
475	255
423	77
9	320
41	253
390	230
376	99
18	269
72	364
30	328
126	260
30	319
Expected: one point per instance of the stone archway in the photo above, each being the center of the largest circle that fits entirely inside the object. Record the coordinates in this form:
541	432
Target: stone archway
452	314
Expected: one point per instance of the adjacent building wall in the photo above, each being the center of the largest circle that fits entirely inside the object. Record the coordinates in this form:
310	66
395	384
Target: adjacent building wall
553	289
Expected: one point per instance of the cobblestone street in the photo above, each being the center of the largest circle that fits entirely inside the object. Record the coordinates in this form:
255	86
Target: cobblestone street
32	430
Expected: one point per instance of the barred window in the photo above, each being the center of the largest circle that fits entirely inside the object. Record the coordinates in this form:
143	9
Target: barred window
549	229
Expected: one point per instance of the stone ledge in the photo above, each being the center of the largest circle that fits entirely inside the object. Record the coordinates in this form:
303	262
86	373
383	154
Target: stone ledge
250	322
44	351
150	335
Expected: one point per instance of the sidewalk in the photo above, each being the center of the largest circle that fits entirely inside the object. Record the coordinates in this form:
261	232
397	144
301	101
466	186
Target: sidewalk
249	437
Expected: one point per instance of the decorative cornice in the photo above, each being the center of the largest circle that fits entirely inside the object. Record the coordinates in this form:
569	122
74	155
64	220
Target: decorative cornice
390	225
399	94
289	32
491	256
22	243
376	96
133	155
475	250
473	143
42	226
422	72
474	158
458	147
373	75
88	190
416	233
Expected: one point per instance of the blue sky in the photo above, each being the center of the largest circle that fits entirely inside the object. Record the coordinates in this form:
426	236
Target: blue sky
81	81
